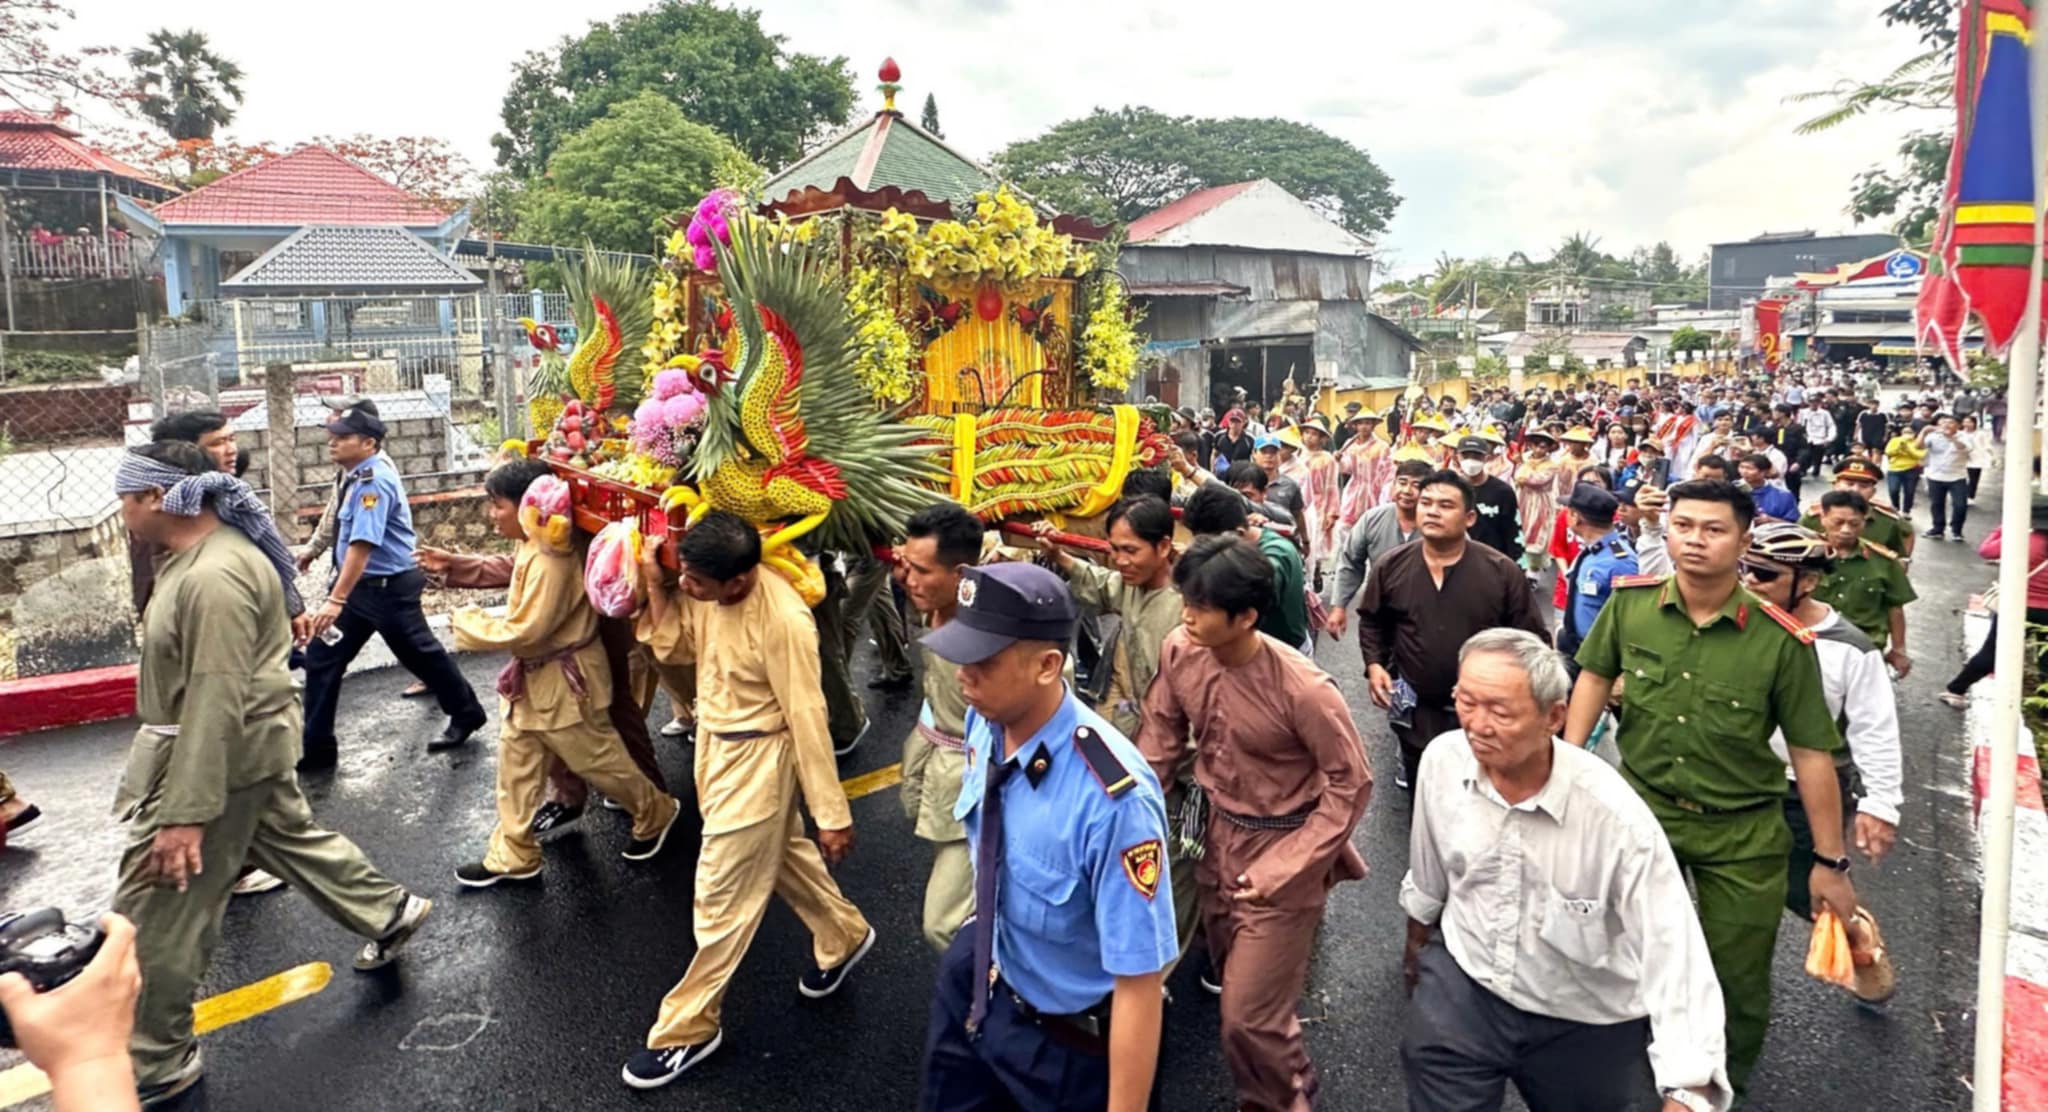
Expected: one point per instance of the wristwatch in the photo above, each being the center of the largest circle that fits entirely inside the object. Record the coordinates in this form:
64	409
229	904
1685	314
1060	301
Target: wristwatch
1838	864
1688	1098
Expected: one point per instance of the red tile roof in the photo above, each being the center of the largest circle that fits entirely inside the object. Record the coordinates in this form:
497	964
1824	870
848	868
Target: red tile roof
311	185
1161	220
32	142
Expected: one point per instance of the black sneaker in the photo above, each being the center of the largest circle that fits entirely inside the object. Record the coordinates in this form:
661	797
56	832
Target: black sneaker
651	1069
820	983
554	816
890	683
640	849
477	875
318	759
378	953
1932	534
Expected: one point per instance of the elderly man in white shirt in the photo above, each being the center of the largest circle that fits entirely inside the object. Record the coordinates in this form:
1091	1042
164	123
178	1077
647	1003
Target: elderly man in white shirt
1571	961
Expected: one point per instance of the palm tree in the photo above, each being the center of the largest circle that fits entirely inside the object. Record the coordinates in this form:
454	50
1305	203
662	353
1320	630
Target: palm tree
184	86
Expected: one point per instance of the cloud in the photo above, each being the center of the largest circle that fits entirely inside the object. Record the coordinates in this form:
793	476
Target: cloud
1507	127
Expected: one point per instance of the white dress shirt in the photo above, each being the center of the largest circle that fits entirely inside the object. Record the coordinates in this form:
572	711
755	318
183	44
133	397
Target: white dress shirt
1568	904
1853	675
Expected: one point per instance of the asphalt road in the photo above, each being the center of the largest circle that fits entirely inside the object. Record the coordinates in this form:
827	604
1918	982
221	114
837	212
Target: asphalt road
531	998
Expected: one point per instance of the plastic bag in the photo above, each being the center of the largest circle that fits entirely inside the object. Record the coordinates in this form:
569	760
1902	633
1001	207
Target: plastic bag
1827	956
611	573
544	512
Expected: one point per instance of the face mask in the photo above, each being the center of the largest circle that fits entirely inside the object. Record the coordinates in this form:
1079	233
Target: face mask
1471	466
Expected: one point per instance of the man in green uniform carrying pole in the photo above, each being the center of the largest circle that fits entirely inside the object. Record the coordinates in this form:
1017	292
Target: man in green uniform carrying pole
1708	672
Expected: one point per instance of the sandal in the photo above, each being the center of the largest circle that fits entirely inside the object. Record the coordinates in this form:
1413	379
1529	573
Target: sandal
1876	980
1960	702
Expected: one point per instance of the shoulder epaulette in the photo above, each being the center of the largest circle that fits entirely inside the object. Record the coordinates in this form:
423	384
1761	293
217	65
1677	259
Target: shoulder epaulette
1879	507
1814	510
1103	762
1790	623
1638	580
1879	549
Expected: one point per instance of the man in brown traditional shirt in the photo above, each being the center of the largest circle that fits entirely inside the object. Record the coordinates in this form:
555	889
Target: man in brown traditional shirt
1286	778
1422	601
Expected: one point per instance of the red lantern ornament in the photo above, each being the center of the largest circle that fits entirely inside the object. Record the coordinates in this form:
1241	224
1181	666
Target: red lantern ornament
988	304
890	73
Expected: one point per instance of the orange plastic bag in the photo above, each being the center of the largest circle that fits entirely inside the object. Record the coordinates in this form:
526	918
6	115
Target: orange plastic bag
1828	957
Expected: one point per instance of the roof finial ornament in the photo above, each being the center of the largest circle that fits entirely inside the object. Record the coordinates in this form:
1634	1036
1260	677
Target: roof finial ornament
890	76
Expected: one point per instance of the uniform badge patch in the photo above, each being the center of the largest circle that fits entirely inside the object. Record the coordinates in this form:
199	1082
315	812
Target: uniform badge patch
369	501
1141	867
966	592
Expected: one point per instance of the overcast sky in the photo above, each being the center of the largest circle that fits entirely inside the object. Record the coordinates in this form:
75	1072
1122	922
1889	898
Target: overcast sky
1506	124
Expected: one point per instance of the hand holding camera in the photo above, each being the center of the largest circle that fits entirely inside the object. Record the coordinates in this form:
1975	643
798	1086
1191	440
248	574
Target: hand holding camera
67	991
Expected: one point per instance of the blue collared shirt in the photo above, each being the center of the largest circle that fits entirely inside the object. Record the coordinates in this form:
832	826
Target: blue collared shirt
1084	895
1592	582
1775	501
373	509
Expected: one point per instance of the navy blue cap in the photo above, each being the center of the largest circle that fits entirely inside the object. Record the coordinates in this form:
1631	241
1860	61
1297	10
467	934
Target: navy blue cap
358	420
1000	605
1592	501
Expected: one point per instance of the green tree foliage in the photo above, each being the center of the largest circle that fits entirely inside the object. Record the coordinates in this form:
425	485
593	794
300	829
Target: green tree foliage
1121	164
714	63
616	182
1907	191
1503	284
182	86
929	118
1689	338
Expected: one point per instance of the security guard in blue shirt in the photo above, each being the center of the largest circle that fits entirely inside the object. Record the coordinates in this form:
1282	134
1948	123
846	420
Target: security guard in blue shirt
376	589
1604	554
1050	997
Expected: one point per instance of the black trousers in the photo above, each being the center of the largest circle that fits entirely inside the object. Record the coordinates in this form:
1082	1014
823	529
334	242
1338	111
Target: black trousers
1427	723
1015	1063
1985	658
1799	863
1463	1045
388	606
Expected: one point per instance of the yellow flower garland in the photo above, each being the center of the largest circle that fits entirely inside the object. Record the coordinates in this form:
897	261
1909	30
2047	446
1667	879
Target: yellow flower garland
1003	242
884	357
1109	343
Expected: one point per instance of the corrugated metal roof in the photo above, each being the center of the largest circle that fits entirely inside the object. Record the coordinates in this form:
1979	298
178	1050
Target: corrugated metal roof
1257	216
311	185
1183	289
32	142
1161	220
351	257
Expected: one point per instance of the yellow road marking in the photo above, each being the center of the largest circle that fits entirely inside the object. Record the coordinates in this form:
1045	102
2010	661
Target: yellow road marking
25	1082
868	783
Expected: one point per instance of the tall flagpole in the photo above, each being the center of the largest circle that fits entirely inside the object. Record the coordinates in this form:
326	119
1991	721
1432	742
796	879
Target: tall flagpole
2000	801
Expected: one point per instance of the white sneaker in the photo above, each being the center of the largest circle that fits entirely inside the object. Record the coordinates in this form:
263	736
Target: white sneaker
381	952
257	881
678	727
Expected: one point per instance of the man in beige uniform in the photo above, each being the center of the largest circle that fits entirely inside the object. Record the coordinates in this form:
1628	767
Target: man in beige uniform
556	694
941	541
1138	588
212	786
762	745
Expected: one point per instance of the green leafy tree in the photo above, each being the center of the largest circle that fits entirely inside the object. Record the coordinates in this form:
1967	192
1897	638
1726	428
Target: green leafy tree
929	118
714	63
1689	338
182	86
1120	164
1907	191
617	182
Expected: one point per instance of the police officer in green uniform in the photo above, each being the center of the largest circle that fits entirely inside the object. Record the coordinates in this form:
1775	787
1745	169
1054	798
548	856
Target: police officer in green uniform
1708	672
1869	583
1885	527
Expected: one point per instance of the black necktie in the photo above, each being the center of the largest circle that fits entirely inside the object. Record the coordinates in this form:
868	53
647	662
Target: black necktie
988	858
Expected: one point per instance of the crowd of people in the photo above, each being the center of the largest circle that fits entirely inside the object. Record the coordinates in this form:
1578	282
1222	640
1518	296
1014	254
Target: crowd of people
1629	638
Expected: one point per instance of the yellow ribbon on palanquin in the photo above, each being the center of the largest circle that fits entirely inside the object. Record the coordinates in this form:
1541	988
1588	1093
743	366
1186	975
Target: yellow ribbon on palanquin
963	457
1111	488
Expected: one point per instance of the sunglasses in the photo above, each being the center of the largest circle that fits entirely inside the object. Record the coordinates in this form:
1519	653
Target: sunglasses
1762	573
